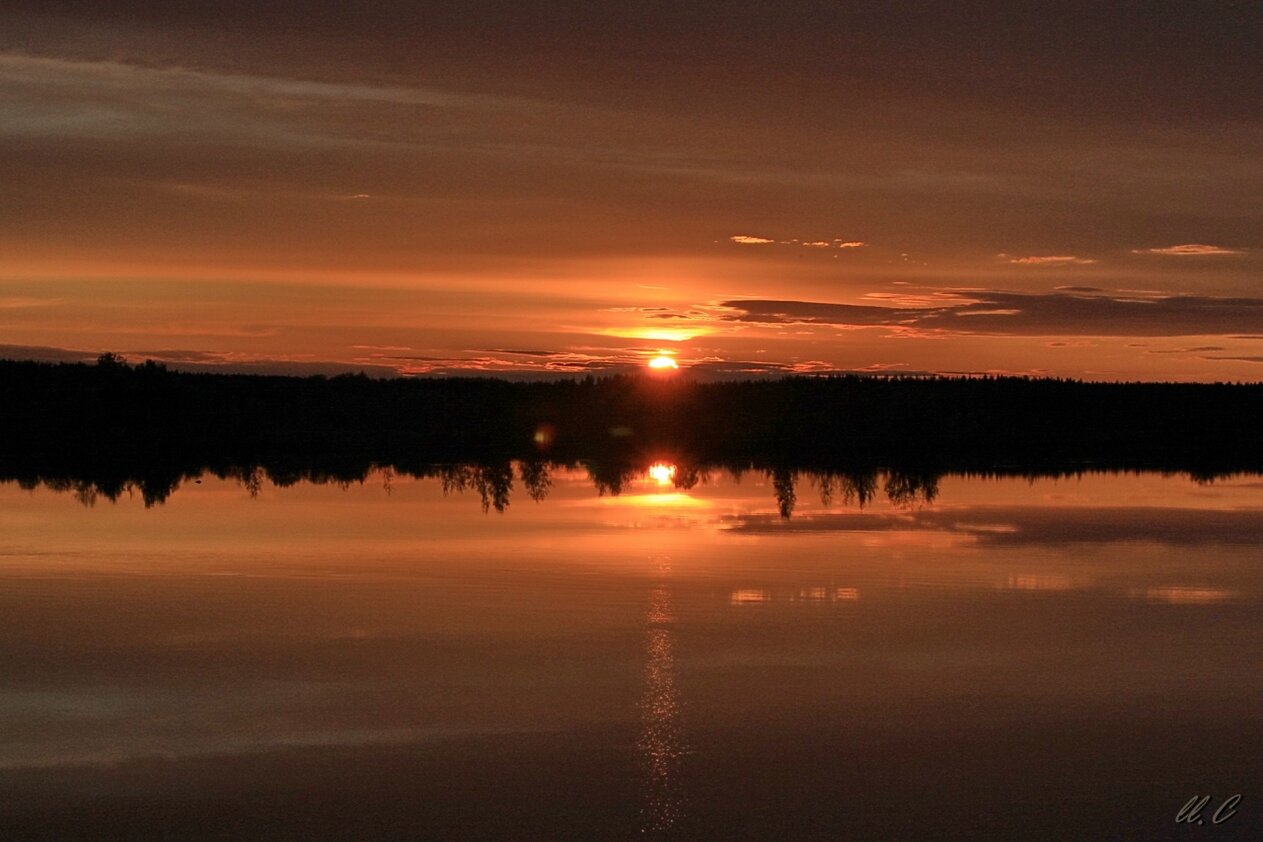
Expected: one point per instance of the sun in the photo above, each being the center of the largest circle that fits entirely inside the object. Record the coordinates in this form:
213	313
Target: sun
663	363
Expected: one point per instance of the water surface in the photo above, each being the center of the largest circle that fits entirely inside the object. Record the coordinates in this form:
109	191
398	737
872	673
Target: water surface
996	658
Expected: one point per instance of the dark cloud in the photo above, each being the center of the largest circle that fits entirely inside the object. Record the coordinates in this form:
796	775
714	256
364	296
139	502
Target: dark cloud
1009	313
202	361
178	356
411	358
756	369
41	353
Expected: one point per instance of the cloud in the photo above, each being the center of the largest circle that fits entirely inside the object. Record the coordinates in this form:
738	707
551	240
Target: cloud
1078	289
204	361
1020	314
836	243
1237	359
44	353
521	352
1189	249
1052	260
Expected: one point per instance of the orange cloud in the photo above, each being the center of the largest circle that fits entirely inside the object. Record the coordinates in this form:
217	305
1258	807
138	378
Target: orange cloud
836	243
1051	260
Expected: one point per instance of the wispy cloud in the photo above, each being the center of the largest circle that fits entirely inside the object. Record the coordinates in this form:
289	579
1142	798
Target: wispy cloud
1188	249
1051	260
112	99
836	243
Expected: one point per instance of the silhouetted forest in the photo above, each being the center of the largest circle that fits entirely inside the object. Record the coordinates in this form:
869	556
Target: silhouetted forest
100	429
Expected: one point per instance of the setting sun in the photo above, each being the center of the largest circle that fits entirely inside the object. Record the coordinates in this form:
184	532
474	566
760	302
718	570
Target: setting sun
663	363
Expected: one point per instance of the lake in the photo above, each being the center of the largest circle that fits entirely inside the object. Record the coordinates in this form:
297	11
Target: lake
1071	657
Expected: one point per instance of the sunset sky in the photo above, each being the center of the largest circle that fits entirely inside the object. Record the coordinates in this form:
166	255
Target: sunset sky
573	187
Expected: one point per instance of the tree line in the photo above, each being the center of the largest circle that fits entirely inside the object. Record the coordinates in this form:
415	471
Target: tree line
116	418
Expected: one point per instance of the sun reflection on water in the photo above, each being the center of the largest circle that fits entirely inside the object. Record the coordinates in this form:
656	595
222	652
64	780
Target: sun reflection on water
662	473
661	741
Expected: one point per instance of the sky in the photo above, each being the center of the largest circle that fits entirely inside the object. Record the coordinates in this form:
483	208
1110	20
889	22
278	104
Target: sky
541	189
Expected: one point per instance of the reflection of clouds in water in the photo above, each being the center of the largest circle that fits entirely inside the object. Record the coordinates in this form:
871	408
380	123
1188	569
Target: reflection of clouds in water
1038	582
661	738
749	596
1015	526
1183	595
758	596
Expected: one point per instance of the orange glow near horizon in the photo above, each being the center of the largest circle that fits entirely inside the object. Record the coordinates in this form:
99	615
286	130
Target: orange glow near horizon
659	334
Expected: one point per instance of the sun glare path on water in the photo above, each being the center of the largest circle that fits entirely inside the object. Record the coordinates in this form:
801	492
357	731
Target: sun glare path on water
663	363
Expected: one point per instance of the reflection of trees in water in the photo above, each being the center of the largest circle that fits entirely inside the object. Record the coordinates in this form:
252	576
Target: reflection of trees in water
783	487
859	487
152	490
909	489
493	481
251	479
903	489
688	476
610	477
537	477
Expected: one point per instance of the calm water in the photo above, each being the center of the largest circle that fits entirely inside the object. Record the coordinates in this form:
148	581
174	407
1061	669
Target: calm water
1067	658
